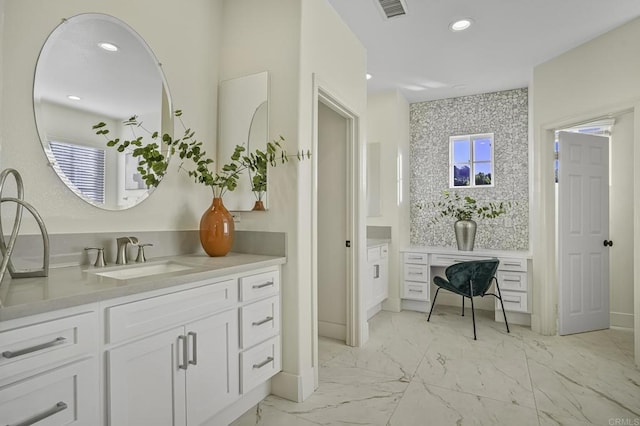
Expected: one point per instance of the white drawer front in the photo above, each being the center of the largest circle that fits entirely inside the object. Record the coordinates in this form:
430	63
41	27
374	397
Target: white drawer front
416	291
259	321
37	346
259	285
146	316
512	280
513	301
450	259
420	258
416	273
62	396
513	264
259	363
373	254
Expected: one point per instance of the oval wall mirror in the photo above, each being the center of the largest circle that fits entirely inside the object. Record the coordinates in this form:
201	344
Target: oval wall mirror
95	68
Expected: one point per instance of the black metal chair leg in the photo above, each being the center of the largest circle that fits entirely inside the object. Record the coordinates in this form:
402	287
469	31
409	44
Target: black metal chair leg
473	312
433	304
502	305
462	305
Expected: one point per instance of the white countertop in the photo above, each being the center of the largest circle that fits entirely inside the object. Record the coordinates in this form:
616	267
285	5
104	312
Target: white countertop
372	242
78	285
475	251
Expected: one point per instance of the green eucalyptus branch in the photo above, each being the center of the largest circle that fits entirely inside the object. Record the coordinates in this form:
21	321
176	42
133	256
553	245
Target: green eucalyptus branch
466	208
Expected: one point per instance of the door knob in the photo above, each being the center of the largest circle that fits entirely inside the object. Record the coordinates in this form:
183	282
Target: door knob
608	243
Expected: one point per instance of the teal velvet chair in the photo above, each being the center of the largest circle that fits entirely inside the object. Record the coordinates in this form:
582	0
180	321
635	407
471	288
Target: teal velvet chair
470	279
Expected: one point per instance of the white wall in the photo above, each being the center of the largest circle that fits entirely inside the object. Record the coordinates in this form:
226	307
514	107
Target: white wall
620	218
293	39
388	125
592	80
189	54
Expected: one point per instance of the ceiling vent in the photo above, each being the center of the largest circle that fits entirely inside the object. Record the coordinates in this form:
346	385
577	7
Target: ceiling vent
392	8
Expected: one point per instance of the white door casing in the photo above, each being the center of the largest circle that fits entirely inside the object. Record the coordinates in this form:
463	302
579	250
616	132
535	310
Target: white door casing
583	226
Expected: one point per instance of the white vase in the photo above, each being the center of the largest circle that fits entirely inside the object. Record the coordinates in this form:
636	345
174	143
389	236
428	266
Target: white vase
465	234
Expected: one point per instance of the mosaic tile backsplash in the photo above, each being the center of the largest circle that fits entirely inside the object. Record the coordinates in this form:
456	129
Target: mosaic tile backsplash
505	114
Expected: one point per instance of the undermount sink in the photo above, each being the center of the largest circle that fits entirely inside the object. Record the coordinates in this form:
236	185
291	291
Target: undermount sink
143	270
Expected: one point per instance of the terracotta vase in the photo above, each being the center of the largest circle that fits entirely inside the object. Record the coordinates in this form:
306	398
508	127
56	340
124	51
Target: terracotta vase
258	206
216	229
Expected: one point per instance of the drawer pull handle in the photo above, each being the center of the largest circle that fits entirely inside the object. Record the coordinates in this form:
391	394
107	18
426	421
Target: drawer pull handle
513	280
511	300
39	417
185	353
415	257
263	363
257	323
415	273
194	347
415	291
13	354
511	264
257	286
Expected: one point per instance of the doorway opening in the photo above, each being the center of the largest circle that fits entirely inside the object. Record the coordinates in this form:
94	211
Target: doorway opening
336	226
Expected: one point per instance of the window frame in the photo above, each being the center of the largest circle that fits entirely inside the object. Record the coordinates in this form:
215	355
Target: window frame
472	163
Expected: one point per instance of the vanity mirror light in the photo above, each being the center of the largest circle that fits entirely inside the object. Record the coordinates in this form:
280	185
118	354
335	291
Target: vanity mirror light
243	119
93	68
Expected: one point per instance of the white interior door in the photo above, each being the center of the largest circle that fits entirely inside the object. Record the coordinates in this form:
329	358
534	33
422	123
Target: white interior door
583	227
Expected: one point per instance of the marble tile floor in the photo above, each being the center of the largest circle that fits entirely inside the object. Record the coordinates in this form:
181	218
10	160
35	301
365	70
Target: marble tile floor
414	372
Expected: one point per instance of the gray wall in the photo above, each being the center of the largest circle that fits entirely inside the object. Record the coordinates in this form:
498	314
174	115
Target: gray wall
506	115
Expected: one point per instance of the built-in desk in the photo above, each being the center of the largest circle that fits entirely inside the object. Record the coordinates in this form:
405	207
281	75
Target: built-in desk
513	275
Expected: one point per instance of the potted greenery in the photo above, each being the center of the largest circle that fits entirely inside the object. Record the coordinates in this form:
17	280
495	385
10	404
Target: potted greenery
216	224
464	210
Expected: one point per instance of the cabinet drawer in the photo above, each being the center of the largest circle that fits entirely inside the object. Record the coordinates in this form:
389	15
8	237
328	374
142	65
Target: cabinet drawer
373	254
512	280
259	321
416	273
30	348
513	264
416	291
259	285
450	259
62	396
146	316
259	363
420	258
513	301
384	251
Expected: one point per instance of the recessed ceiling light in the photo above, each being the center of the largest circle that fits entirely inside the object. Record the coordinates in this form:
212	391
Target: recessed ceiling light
369	76
461	24
108	46
74	97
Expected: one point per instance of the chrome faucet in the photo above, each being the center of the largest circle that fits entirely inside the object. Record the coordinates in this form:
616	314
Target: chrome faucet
121	256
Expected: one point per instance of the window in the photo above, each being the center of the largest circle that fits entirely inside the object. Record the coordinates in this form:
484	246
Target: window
83	168
471	160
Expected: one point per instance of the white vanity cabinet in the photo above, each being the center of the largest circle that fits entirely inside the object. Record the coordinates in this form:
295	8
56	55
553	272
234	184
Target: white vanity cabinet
378	278
513	275
48	369
182	358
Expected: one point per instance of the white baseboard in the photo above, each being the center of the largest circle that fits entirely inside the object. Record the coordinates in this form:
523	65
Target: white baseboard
332	330
293	387
393	304
374	310
519	318
415	305
620	319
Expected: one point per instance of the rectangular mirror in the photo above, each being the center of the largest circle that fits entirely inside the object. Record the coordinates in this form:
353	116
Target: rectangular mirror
373	180
243	119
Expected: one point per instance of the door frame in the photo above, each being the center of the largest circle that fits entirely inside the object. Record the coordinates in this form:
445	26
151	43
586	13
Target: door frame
545	289
354	318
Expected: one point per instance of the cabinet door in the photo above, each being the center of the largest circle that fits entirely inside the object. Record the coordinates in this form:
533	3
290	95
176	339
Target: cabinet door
213	372
381	284
146	385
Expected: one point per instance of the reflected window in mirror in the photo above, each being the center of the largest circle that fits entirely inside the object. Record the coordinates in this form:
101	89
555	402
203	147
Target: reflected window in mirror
95	68
82	167
471	161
